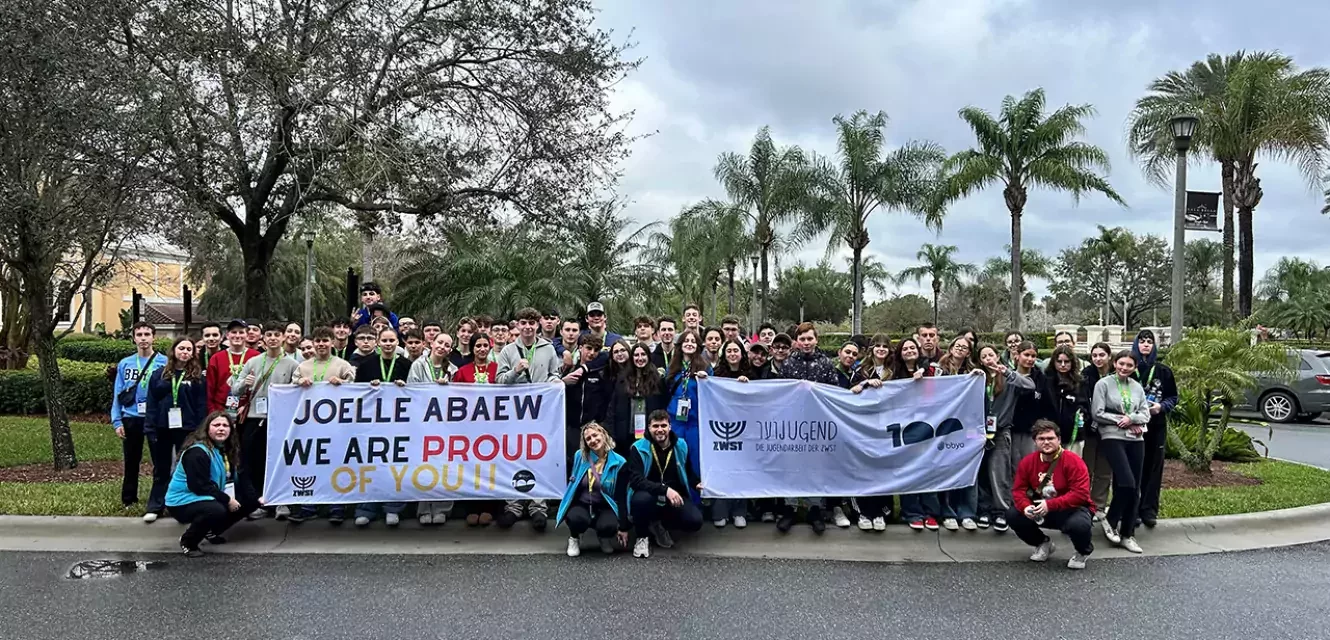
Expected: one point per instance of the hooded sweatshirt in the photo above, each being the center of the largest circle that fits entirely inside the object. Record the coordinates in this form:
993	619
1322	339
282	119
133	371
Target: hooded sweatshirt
543	362
1156	379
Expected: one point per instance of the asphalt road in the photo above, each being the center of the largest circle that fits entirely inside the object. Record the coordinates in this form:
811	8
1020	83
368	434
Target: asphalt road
1280	593
1307	442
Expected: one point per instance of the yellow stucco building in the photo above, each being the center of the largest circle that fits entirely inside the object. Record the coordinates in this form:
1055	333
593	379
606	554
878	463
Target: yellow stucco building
158	275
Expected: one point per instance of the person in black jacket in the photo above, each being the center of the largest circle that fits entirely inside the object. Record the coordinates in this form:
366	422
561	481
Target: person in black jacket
733	362
669	485
663	347
1062	397
197	495
588	394
177	402
1161	391
636	394
1030	404
387	366
1101	474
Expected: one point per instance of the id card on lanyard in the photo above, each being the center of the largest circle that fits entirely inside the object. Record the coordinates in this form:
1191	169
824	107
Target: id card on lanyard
639	418
990	420
174	419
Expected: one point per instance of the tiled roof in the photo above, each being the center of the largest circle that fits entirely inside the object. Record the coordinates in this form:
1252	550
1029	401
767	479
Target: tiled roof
170	313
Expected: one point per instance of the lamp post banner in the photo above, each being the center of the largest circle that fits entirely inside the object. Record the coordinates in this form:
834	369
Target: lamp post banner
1202	212
793	438
355	443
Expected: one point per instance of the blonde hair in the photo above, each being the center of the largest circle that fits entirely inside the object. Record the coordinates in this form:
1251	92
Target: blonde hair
605	435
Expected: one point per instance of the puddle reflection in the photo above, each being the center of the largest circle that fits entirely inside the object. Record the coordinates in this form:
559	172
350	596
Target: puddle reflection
111	568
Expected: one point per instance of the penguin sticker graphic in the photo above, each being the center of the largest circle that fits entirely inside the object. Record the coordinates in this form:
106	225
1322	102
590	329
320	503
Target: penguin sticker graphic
524	481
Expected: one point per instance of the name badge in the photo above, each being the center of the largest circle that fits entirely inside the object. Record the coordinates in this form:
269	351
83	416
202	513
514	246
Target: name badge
174	419
261	405
232	402
639	426
990	425
681	410
142	407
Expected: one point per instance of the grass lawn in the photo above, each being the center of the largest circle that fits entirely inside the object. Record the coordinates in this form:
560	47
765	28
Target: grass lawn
1283	485
28	441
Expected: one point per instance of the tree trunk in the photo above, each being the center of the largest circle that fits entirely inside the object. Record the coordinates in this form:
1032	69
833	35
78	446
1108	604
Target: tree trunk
801	310
764	242
15	336
87	308
937	290
43	342
856	283
715	286
1108	293
1015	197
257	257
731	274
367	255
1226	179
1247	195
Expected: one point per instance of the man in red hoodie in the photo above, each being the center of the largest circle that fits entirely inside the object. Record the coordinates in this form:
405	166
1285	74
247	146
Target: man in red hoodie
225	364
1052	491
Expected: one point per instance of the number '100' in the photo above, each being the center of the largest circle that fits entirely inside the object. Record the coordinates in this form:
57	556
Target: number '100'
919	431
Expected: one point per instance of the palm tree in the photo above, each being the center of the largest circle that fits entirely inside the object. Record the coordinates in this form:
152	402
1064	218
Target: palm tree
1250	105
874	273
1033	263
770	187
1205	258
608	256
865	180
937	265
1022	148
722	226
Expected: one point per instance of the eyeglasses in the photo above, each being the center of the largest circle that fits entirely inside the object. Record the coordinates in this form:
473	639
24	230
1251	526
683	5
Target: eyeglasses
961	347
1014	341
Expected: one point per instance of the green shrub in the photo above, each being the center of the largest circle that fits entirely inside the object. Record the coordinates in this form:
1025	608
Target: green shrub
85	386
102	349
1235	446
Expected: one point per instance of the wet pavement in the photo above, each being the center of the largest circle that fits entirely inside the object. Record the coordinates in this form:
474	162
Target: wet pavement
1282	593
1305	442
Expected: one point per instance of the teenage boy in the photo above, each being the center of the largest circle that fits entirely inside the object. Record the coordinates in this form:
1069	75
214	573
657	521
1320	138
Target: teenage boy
928	342
729	326
210	345
692	319
254	334
663	348
483	324
1052	491
1161	393
322	368
405	324
596	323
461	354
566	345
528	359
224	366
759	361
129	405
366	345
499	338
341	346
370	295
644	330
255	379
549	325
588	393
806	363
780	352
668	499
291	338
431	330
766	333
415	344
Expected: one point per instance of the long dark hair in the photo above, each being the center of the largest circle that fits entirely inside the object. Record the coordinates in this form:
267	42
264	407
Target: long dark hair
1072	379
616	370
641	381
868	366
695	363
722	366
999	381
229	448
898	370
191	366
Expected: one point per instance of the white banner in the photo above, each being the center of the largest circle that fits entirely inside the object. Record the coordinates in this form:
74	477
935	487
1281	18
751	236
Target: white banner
356	443
791	438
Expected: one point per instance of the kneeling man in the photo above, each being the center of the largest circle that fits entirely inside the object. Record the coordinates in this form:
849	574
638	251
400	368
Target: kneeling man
667	503
1052	491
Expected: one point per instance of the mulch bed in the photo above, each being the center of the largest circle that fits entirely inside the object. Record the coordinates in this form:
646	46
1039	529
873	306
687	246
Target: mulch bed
1177	476
95	471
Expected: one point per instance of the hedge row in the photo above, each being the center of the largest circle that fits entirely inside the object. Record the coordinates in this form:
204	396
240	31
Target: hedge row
1040	340
102	349
86	389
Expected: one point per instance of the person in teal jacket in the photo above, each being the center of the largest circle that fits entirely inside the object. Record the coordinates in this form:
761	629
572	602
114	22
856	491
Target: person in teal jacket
196	495
687	366
670	487
597	494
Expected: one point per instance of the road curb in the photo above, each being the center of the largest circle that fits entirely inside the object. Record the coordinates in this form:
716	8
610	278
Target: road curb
899	544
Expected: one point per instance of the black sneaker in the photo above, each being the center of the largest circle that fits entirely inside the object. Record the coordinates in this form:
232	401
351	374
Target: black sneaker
336	519
983	522
785	522
191	553
1000	524
1149	520
815	519
214	539
539	522
298	517
506	520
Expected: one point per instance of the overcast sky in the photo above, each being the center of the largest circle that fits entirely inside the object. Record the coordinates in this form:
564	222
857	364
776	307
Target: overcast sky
717	70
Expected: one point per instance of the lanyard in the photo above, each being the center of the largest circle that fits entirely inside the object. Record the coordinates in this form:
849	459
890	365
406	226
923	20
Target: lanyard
687	376
175	388
1149	378
531	352
661	467
142	366
387	373
267	374
433	373
1124	390
235	364
341	353
592	474
320	375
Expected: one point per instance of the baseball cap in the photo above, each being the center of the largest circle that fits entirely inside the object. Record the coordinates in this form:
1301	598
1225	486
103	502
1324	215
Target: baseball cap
758	346
595	307
551	313
782	339
236	324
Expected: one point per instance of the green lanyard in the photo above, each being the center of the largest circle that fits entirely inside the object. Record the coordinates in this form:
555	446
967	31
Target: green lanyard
142	367
388	373
175	388
1149	378
1124	390
320	375
267	375
531	353
434	373
686	377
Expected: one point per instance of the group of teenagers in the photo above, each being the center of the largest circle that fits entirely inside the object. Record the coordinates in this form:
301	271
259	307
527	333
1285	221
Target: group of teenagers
1060	432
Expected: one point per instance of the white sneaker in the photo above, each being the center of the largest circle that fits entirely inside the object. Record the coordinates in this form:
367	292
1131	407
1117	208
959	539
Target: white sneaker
392	519
574	547
642	548
257	514
1077	562
838	516
720	523
283	512
968	524
149	517
1043	551
864	523
440	518
879	524
425	518
740	522
1110	532
362	521
949	524
1098	516
663	539
1130	545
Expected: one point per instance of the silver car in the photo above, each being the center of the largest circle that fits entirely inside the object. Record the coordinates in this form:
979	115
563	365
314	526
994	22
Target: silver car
1304	397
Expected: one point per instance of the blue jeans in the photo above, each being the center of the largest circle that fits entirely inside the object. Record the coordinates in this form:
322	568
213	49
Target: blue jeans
731	508
371	509
960	503
917	506
312	510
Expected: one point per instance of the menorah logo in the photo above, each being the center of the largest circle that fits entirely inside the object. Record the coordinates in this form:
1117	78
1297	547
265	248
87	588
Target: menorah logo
728	432
303	486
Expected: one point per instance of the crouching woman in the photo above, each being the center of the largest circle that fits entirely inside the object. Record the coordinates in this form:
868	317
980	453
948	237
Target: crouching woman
196	495
597	494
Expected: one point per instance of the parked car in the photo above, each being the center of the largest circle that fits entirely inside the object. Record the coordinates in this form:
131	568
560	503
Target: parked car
1304	397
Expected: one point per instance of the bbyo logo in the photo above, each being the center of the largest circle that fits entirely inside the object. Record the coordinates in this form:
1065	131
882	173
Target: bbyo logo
728	432
524	481
303	486
919	431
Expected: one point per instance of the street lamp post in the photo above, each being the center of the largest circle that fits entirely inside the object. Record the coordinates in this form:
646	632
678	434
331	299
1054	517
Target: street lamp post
309	276
753	312
1183	127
